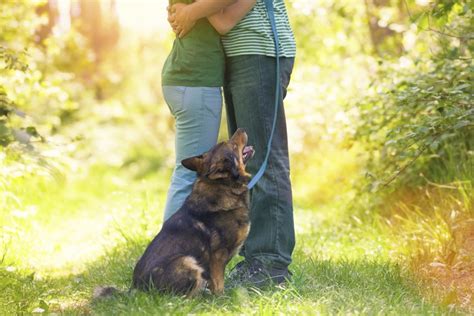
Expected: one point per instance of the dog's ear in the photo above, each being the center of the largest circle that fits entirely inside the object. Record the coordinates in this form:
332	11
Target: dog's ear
193	163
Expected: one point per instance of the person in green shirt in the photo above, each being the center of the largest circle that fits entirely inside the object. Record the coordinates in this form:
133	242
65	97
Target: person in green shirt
192	77
249	90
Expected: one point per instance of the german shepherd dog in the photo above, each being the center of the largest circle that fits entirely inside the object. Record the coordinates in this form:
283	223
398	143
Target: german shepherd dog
196	243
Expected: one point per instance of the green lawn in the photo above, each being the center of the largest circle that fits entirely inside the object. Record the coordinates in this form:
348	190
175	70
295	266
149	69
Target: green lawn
62	239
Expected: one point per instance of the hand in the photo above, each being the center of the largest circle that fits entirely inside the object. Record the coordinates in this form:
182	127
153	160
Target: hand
171	18
181	19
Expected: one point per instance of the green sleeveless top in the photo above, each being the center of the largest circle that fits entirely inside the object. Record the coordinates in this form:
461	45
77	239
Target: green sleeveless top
197	59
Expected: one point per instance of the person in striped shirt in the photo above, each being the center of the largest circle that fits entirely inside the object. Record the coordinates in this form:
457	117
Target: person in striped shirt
249	92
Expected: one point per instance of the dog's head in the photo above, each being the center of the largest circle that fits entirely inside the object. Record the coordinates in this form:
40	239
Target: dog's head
225	161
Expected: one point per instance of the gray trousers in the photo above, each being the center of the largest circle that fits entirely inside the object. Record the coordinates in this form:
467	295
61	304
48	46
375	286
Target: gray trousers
249	93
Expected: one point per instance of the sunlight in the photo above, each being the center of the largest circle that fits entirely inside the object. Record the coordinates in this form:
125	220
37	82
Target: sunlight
66	249
139	16
143	16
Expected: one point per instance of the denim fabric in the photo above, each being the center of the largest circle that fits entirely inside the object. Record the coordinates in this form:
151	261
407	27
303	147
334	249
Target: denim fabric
197	111
249	92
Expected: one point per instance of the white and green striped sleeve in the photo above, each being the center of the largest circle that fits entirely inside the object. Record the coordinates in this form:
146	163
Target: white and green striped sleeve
253	34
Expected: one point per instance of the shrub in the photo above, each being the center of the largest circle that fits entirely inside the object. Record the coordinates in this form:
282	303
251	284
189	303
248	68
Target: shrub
418	122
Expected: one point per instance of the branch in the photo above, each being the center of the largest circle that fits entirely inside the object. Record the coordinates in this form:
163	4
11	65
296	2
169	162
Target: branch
430	29
405	167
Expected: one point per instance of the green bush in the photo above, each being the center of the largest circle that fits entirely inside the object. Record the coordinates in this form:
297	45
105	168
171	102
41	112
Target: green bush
418	123
421	124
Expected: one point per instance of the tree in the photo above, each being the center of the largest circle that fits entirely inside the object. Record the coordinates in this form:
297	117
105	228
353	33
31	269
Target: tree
384	19
97	20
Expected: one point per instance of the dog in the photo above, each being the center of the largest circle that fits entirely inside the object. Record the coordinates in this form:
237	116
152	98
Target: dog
196	243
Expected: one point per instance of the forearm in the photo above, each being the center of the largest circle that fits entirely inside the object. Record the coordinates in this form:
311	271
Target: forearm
204	8
225	20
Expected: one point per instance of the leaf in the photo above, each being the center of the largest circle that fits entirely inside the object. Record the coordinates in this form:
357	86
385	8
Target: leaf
44	305
463	86
31	277
4	110
31	130
434	145
6	135
462	124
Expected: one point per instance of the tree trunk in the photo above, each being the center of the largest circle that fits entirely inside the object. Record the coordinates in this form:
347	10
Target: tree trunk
98	22
50	9
383	38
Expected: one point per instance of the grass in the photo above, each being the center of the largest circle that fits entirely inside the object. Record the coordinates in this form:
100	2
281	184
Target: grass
435	229
62	239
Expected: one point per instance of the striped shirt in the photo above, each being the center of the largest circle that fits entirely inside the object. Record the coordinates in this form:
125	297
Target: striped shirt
253	34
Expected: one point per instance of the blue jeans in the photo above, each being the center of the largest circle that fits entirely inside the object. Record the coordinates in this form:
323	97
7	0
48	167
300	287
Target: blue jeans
197	111
249	92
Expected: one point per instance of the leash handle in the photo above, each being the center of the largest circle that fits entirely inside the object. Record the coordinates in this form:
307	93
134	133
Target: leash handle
271	17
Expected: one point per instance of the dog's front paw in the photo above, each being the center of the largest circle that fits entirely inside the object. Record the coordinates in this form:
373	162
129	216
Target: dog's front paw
217	288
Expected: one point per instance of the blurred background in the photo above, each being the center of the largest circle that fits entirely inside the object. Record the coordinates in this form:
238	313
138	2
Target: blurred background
380	115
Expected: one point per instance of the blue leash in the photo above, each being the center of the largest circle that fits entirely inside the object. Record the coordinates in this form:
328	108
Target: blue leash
271	16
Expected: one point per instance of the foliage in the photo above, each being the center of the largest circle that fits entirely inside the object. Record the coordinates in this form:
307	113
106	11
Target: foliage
419	121
417	127
328	31
38	96
11	61
421	124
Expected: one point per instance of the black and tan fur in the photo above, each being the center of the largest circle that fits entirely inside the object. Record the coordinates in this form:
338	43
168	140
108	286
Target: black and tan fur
195	244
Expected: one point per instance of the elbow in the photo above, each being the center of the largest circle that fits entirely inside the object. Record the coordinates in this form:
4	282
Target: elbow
223	30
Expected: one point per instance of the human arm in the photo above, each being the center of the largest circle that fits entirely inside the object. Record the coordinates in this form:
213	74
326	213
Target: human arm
183	17
225	20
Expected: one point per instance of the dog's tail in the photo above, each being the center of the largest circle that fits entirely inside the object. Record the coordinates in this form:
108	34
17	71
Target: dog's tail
104	292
